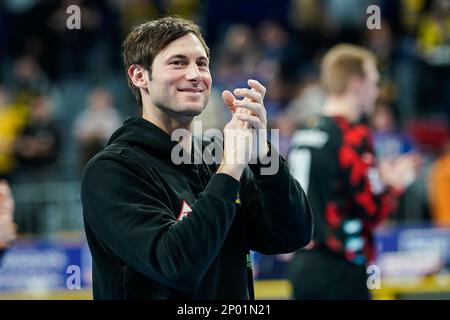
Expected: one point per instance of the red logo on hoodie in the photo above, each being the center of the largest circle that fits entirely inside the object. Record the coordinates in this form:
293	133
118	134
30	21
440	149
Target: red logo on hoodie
185	210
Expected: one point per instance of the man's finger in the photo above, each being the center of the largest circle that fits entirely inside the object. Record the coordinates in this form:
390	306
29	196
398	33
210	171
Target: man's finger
235	123
249	94
257	86
254	121
5	190
229	99
255	108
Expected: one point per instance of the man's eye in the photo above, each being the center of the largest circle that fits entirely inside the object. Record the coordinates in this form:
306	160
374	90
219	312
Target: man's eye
176	62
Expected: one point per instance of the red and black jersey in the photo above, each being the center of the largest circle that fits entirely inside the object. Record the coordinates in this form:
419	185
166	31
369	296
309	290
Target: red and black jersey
335	163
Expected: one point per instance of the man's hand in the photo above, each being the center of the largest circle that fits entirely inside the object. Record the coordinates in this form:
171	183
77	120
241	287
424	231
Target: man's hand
401	171
238	144
7	226
251	111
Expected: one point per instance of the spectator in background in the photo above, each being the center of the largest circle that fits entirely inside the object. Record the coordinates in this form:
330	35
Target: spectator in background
286	128
308	103
238	56
433	34
345	18
390	141
7	226
433	42
439	188
410	12
72	48
306	15
189	9
94	126
12	119
37	150
380	42
37	146
277	97
137	11
28	79
273	41
333	158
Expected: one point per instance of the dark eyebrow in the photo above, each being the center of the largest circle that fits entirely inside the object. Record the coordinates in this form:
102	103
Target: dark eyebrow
180	56
205	59
177	56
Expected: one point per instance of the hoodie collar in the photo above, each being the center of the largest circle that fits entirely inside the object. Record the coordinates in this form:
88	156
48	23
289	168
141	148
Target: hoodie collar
138	131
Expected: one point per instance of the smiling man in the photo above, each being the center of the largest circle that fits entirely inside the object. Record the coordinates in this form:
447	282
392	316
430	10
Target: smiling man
158	230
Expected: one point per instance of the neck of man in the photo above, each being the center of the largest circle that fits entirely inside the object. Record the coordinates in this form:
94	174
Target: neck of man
169	123
343	105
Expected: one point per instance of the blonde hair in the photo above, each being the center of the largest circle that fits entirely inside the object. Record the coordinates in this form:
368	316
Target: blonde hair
341	63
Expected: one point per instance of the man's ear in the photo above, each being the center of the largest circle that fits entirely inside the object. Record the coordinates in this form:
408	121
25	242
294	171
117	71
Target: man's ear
139	76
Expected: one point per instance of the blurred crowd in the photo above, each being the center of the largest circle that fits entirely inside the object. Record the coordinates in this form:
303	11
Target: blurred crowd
63	92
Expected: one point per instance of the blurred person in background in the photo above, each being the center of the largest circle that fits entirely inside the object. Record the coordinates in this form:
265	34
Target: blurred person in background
307	104
390	141
350	194
37	146
137	11
84	49
28	79
95	124
237	57
189	9
433	43
12	120
162	230
439	188
36	150
433	33
273	41
7	226
286	128
344	18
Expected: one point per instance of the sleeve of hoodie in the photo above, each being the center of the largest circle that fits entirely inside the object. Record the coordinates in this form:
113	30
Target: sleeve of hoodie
128	215
279	218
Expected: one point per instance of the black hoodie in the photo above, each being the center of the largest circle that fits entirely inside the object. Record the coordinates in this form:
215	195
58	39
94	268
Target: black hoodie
157	230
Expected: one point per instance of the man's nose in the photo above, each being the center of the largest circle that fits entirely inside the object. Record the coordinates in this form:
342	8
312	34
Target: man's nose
193	73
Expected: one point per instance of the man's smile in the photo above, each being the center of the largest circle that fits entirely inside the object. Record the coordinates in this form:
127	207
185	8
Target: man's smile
191	90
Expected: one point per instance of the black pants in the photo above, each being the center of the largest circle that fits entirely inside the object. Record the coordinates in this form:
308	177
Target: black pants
324	275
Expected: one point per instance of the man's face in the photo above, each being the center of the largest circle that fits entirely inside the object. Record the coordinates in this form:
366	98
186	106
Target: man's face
368	92
180	81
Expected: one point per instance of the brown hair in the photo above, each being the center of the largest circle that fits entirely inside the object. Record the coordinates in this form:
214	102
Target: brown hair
341	63
146	40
